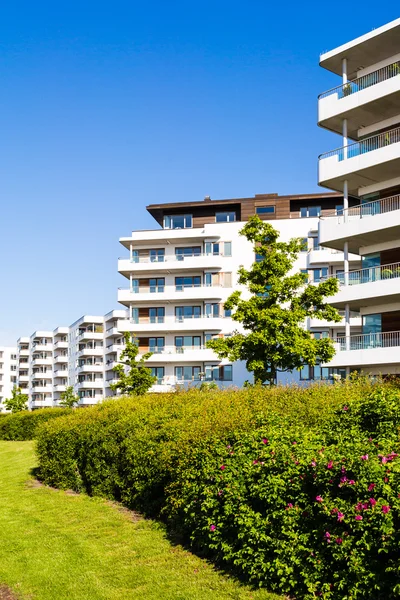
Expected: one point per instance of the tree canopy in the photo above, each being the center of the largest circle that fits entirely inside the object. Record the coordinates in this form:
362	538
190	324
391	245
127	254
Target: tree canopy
134	377
17	402
274	310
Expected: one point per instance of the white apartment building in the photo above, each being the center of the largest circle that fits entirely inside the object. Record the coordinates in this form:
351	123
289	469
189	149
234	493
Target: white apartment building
364	109
181	273
8	373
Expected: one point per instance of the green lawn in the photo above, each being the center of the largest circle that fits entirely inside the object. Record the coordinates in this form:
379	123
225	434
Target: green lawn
56	546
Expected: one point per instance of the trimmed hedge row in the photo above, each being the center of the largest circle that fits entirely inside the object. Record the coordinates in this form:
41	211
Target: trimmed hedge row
22	425
295	490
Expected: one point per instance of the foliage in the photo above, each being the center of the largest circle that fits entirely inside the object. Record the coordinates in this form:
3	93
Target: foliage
68	398
138	380
273	316
17	402
46	536
23	425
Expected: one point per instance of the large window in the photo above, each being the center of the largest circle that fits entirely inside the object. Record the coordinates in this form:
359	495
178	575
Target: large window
320	274
187	373
187	341
187	282
178	221
157	315
315	373
265	210
159	373
219	373
225	217
182	253
217	248
157	255
157	285
310	211
187	312
156	345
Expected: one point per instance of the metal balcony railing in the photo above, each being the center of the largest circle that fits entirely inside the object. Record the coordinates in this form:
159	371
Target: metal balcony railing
368	209
375	142
173	258
172	349
369	341
364	82
170	320
370	274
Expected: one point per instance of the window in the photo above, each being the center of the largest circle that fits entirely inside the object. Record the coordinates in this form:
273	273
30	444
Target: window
187	312
182	253
225	217
304	247
159	373
315	373
227	248
187	341
310	211
315	243
135	286
185	282
156	315
305	373
265	210
319	335
305	272
156	344
187	373
157	285
218	279
217	248
320	274
177	221
219	373
157	255
212	310
339	209
13	357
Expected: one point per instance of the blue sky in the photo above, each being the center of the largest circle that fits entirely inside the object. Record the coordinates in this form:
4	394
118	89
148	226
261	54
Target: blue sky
108	107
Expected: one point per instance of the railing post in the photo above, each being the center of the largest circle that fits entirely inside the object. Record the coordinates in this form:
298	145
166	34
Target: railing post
344	70
345	138
130	252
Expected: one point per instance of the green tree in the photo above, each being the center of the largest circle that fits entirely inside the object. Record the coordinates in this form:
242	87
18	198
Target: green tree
274	311
134	377
18	400
68	398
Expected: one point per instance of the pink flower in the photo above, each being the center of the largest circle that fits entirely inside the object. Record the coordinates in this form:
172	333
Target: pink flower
212	528
344	470
358	518
330	464
365	506
343	479
318	499
351	482
222	467
372	501
385	509
294	443
255	462
384	460
290	505
364	457
338	540
371	487
265	441
313	463
345	408
340	516
370	439
327	535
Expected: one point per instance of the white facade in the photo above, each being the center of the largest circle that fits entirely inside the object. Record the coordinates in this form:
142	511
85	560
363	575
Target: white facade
365	110
8	373
178	280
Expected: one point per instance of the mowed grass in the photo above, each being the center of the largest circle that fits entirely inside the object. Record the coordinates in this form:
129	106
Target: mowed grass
55	546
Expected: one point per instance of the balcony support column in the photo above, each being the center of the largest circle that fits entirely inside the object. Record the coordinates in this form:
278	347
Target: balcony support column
345	138
344	70
347	325
130	281
345	200
346	262
130	252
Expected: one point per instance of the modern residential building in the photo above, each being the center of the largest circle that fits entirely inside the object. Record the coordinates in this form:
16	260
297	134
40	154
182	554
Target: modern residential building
8	373
181	273
364	109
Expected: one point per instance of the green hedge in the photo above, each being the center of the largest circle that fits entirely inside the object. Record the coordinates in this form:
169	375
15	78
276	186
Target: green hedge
295	490
23	425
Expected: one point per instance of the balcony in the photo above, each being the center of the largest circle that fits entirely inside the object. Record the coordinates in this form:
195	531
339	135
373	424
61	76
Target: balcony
42	389
362	101
324	256
114	348
170	323
90	352
168	354
90	368
172	293
61	344
60	358
363	225
23	378
171	264
84	385
42	347
45	403
113	332
167	236
23	351
42	361
368	350
60	388
43	375
372	160
355	321
373	286
90	335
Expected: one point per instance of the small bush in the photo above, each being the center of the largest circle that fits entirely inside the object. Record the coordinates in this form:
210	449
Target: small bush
294	490
22	425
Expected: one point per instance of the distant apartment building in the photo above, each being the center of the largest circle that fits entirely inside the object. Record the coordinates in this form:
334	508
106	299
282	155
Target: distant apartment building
181	273
8	373
364	109
81	355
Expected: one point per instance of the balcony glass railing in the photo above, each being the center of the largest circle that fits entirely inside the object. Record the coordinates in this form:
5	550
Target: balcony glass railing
368	209
173	258
369	341
364	82
176	319
172	349
371	274
375	142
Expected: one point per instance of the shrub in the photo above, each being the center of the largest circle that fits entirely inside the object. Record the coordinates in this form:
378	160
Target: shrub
23	425
294	490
